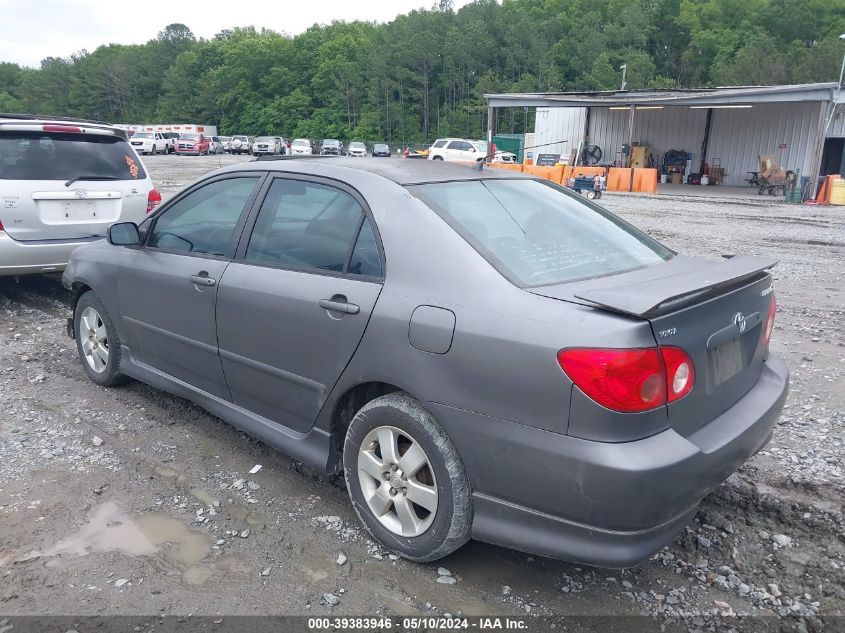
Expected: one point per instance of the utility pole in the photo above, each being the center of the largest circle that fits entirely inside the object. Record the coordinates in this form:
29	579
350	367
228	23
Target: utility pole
841	71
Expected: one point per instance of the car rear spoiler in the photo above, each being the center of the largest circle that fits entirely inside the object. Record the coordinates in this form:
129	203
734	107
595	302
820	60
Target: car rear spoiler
656	289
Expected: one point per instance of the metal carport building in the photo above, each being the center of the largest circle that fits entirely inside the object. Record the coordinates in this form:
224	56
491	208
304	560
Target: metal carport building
796	123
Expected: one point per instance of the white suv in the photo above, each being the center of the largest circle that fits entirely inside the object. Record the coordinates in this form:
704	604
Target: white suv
301	147
150	143
63	182
456	149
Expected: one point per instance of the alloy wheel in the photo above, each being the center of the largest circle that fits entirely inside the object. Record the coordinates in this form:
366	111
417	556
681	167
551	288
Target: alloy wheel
94	338
397	481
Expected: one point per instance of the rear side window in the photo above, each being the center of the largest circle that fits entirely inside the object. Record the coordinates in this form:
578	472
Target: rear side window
365	258
203	222
305	225
535	234
439	144
61	156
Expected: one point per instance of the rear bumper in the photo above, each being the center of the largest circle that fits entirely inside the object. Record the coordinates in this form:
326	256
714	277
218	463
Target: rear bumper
603	504
34	257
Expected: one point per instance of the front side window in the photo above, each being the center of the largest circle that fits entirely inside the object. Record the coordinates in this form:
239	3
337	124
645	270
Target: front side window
203	222
535	234
306	225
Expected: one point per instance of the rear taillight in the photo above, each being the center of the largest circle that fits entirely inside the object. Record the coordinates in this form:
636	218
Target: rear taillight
630	380
627	380
1	227
69	129
153	200
770	321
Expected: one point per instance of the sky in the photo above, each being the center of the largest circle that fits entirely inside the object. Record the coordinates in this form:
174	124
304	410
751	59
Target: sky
34	29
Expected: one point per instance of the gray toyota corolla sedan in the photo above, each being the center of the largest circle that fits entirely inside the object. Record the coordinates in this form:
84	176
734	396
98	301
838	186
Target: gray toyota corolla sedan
483	354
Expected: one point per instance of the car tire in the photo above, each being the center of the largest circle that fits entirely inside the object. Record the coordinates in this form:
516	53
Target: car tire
436	158
89	317
424	534
154	151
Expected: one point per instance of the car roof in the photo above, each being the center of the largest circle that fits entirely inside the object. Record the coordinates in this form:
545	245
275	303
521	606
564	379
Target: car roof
40	119
401	171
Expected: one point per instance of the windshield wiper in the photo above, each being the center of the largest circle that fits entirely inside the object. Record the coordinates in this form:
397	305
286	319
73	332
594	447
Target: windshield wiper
89	177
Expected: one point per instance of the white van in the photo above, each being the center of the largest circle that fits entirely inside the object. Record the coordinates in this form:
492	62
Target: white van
63	182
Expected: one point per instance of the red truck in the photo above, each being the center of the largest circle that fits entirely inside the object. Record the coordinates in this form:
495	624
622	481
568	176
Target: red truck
197	144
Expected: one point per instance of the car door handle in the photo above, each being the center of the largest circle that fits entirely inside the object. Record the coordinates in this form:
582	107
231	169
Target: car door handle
339	306
202	280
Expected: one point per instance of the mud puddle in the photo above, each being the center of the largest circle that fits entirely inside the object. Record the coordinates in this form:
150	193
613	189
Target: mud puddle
110	529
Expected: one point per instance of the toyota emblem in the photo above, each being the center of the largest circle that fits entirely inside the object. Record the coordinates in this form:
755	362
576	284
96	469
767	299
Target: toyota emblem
739	322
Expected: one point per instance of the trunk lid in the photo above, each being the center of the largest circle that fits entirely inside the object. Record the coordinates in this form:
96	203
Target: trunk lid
715	311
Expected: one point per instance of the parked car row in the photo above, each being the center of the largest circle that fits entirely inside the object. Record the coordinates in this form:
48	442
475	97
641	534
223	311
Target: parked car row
276	145
446	149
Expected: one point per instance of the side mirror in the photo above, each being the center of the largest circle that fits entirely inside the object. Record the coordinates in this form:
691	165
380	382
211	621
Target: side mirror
124	234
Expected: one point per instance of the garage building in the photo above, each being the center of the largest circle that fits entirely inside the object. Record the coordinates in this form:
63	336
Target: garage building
801	126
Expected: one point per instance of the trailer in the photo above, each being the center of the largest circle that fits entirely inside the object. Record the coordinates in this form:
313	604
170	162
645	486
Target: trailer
178	128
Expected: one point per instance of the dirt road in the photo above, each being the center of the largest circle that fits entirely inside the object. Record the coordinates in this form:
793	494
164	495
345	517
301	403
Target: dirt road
131	501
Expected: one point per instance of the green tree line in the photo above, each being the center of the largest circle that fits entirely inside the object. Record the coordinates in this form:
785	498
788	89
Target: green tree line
423	74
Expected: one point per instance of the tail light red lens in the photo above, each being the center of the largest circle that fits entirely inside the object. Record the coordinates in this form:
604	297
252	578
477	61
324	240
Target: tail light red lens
153	200
1	227
630	380
770	321
627	380
70	129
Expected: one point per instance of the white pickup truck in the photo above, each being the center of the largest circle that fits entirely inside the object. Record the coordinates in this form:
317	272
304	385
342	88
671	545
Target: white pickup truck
150	143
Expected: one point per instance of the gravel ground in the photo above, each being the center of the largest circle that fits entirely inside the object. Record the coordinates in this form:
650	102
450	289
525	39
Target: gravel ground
131	501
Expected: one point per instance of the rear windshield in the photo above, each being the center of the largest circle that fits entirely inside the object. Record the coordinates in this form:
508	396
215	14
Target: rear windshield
55	156
536	234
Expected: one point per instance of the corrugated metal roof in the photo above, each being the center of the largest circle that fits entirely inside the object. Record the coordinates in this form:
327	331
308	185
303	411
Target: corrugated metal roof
727	95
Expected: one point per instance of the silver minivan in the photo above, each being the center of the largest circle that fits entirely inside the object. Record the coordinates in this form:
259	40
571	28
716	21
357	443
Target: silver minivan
63	182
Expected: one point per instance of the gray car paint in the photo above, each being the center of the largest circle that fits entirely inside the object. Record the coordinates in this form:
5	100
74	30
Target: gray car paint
498	391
